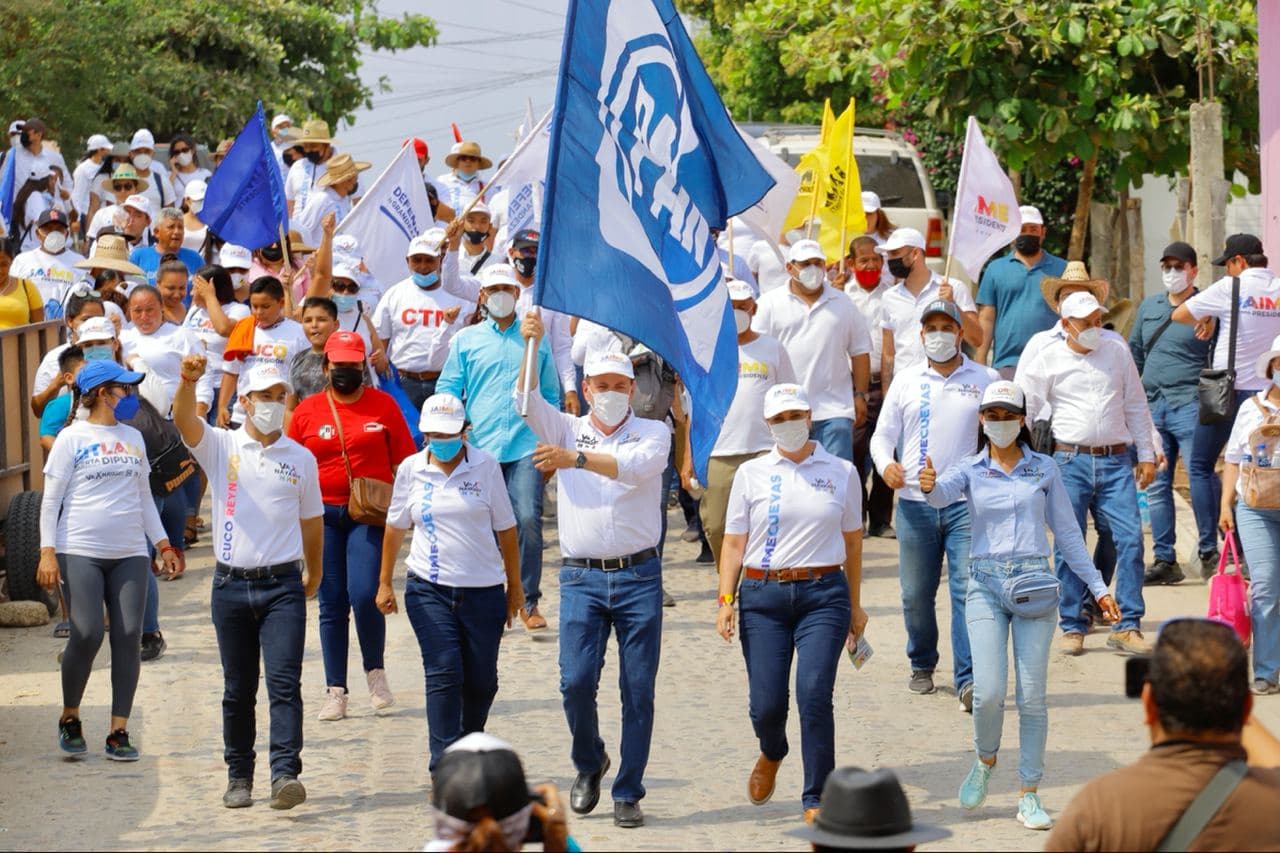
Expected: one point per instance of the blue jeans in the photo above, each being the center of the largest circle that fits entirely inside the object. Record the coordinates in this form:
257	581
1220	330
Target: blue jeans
628	602
173	516
267	617
989	627
1105	485
1177	427
1259	531
352	560
925	534
525	485
835	435
1206	491
459	630
417	390
811	619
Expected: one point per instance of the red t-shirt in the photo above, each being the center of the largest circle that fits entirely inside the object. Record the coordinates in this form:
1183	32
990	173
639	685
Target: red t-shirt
376	434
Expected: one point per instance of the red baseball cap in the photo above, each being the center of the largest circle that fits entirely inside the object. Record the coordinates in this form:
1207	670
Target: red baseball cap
344	346
419	145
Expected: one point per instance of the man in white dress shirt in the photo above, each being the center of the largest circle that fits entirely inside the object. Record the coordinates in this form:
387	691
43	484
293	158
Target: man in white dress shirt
610	466
1089	383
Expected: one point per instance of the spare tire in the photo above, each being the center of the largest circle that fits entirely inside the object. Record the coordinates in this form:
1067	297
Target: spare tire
22	551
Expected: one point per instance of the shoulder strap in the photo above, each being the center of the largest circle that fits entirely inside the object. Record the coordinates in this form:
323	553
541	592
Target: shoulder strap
1235	323
1206	804
1151	344
342	440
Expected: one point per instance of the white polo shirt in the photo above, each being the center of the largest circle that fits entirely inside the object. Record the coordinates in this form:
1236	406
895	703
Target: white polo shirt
259	495
925	413
1259	320
453	518
901	316
413	324
762	363
794	515
870	304
277	346
820	339
601	517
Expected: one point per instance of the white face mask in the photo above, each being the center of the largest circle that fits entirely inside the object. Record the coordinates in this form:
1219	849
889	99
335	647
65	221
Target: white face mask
1001	433
610	406
812	278
790	435
267	417
940	346
183	159
54	242
1175	281
1090	337
195	206
237	279
500	304
741	320
142	161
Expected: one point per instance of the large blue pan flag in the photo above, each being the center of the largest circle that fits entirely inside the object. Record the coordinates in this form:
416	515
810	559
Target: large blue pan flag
245	202
644	164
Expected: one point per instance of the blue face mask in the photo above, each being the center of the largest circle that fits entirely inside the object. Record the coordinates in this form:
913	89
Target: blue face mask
345	302
97	353
468	176
446	449
425	280
127	407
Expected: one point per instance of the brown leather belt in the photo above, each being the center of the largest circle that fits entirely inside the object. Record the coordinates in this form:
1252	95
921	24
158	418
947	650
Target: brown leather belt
789	575
1107	450
424	376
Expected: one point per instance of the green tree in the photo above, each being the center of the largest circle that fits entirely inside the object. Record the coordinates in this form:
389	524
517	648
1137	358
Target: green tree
112	66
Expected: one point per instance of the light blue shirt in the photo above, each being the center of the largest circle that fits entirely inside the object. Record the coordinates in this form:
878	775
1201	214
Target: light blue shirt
1010	511
481	370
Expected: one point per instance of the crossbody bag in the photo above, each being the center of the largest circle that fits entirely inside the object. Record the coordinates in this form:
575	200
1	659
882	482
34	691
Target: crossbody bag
1218	387
1206	804
370	497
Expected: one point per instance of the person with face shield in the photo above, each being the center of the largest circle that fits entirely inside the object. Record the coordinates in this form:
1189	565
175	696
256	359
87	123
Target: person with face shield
932	412
268	522
828	342
609	466
484	361
50	264
1014	495
794	536
1091	385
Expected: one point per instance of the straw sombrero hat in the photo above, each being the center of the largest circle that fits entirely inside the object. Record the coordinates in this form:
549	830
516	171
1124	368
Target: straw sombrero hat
110	252
315	131
1076	274
297	243
471	149
123	172
340	168
1120	316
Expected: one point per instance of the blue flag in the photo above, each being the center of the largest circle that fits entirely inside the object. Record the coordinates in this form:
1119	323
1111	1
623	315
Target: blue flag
644	164
245	203
8	186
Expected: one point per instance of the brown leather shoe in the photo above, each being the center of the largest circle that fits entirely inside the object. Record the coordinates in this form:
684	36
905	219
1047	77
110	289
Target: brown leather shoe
533	620
810	815
760	783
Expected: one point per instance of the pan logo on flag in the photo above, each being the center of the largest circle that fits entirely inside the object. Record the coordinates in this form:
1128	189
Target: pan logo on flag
645	210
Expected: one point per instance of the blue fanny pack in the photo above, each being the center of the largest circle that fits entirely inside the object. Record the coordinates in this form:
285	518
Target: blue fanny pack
1030	595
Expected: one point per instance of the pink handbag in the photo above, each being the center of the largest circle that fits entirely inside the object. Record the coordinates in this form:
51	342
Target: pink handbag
1229	593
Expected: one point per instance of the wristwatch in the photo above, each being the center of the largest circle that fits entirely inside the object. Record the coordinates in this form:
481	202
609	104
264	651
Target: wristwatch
581	461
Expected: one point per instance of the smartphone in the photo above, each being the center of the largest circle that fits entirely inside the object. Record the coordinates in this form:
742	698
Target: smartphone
1135	674
860	653
534	834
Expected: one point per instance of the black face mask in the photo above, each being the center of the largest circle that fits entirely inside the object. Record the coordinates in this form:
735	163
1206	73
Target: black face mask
24	138
525	266
289	158
345	380
313	156
475	238
355	188
1026	244
899	268
272	253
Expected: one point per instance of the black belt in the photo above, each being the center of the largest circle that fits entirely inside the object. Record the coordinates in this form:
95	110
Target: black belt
611	564
258	573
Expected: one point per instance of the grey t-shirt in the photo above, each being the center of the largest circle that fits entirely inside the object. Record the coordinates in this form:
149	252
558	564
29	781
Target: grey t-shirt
306	374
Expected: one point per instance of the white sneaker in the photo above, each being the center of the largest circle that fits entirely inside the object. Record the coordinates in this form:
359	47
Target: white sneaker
379	693
335	705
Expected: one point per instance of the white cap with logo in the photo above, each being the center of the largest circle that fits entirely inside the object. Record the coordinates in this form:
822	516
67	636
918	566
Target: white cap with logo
1079	305
265	375
785	397
901	239
233	257
442	413
1003	394
96	329
142	139
805	250
498	275
609	364
140	203
740	291
348	272
426	243
1030	215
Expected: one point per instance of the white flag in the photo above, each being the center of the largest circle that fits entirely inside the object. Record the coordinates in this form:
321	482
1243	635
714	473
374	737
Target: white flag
986	217
528	161
392	212
768	214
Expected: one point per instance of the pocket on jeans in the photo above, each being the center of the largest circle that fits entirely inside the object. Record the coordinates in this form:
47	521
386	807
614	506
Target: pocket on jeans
220	580
572	575
649	570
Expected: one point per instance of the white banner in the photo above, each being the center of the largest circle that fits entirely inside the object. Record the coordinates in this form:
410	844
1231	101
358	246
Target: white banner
392	212
986	217
768	214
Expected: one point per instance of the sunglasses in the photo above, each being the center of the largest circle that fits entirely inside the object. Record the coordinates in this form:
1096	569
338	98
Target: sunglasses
344	287
124	186
468	158
527	252
1174	265
177	151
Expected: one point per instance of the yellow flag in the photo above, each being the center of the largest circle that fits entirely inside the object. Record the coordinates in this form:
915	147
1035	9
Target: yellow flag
828	204
828	119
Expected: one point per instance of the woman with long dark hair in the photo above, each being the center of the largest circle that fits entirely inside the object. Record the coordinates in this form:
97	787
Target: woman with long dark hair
183	168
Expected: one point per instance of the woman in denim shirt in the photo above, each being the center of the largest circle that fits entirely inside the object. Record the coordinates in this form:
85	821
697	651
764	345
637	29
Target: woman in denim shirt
1014	495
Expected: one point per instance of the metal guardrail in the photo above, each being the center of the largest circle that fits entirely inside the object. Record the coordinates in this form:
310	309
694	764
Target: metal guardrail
21	459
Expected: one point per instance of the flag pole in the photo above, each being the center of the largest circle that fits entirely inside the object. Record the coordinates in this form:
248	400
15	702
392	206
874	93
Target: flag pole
289	302
729	232
844	204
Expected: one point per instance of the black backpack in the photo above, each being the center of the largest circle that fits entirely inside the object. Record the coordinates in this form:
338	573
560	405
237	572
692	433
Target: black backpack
655	386
171	463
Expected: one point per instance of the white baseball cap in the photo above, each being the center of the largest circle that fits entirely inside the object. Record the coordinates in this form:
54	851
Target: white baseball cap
233	257
280	119
870	202
901	239
195	190
345	244
1031	215
805	250
785	397
40	170
480	207
609	363
1079	305
442	413
142	139
427	243
140	203
265	375
497	275
96	329
97	142
1005	395
347	271
740	291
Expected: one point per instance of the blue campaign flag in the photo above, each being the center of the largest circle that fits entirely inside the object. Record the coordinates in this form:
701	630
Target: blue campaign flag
245	203
8	187
644	164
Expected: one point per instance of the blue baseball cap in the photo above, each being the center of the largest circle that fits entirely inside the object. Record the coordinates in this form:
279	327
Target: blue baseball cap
942	306
96	373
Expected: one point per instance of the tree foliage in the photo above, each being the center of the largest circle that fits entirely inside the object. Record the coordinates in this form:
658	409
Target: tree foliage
111	66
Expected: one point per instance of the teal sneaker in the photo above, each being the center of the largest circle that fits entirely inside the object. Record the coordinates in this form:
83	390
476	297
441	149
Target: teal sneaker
119	748
973	791
71	736
1032	813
